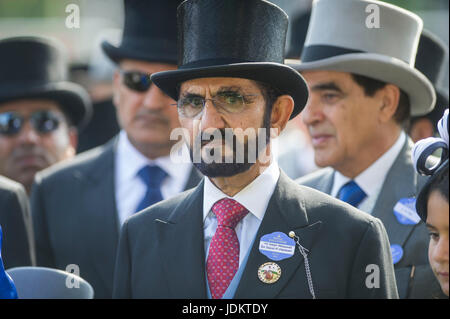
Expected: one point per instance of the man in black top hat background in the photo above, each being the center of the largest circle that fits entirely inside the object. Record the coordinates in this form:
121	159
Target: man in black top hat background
432	54
15	220
364	88
209	242
78	208
39	110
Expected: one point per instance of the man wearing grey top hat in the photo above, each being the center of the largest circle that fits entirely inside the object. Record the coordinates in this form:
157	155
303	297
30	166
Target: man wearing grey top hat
78	208
247	230
359	66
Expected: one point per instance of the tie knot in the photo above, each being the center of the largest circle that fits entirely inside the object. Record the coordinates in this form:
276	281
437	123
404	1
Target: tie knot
152	176
229	212
351	193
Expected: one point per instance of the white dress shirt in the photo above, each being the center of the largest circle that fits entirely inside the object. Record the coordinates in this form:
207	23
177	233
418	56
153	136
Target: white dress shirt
371	180
255	197
129	187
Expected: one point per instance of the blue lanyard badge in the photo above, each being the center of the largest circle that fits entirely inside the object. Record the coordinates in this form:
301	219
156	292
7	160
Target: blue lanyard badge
405	211
277	246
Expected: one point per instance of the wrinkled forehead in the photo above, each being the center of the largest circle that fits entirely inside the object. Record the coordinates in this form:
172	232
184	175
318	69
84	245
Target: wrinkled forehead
28	106
203	86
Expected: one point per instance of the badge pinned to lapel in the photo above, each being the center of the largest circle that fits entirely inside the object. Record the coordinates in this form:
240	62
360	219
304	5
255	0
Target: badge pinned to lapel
405	211
277	246
269	273
397	253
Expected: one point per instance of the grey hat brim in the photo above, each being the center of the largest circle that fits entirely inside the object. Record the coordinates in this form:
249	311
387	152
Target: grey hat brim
282	77
383	68
72	98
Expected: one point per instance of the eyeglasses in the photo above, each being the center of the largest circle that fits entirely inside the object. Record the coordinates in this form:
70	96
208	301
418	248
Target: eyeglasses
136	81
224	102
43	122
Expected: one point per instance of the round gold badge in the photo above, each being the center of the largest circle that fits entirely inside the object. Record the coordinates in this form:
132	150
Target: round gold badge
269	273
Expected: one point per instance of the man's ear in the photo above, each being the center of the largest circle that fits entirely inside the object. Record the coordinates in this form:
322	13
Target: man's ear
390	97
281	112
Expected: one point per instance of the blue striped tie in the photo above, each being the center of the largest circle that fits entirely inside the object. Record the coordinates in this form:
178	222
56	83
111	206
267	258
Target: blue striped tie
153	177
351	193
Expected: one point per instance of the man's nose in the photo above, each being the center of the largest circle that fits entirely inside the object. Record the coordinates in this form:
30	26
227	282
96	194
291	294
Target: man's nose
155	99
313	111
28	134
211	118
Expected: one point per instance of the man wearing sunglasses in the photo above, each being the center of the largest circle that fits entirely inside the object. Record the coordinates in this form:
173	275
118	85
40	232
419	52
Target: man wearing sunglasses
39	109
79	208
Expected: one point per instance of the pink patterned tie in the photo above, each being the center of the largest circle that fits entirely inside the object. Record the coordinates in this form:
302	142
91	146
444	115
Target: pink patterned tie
223	257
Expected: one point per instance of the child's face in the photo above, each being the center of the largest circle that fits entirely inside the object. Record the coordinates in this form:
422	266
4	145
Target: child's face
437	224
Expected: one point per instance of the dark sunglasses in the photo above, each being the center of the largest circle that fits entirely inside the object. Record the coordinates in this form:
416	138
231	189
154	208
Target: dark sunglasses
43	122
136	81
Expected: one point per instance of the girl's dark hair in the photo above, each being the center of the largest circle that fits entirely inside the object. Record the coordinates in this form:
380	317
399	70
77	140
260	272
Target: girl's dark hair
440	183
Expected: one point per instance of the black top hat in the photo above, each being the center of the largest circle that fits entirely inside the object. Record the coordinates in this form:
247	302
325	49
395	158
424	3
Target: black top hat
233	38
149	34
35	67
431	56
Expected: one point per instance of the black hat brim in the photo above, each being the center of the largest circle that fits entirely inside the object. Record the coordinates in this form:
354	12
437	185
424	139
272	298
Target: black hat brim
72	98
422	198
117	54
282	77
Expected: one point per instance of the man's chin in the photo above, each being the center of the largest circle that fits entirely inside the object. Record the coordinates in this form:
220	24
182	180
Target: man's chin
214	170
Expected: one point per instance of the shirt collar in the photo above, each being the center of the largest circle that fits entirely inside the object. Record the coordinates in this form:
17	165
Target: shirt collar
264	186
371	179
130	160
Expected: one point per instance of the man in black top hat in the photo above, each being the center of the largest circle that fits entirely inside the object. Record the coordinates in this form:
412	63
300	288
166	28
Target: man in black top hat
363	90
15	220
247	230
39	109
78	208
432	54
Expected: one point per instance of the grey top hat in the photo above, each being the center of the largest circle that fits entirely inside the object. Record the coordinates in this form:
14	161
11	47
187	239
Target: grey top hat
344	41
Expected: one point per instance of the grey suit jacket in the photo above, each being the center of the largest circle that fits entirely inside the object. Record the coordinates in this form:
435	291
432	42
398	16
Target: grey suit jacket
161	250
75	216
401	181
15	220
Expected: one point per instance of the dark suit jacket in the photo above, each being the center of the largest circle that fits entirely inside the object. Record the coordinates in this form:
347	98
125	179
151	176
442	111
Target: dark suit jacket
75	216
161	250
15	219
401	181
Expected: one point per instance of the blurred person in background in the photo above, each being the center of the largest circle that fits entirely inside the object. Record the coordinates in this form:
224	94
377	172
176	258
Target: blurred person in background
78	208
363	91
39	110
296	154
432	202
96	77
15	221
430	60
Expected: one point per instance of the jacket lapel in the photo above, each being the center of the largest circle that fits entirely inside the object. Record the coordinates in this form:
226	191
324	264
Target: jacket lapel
100	218
286	212
194	178
401	182
182	243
